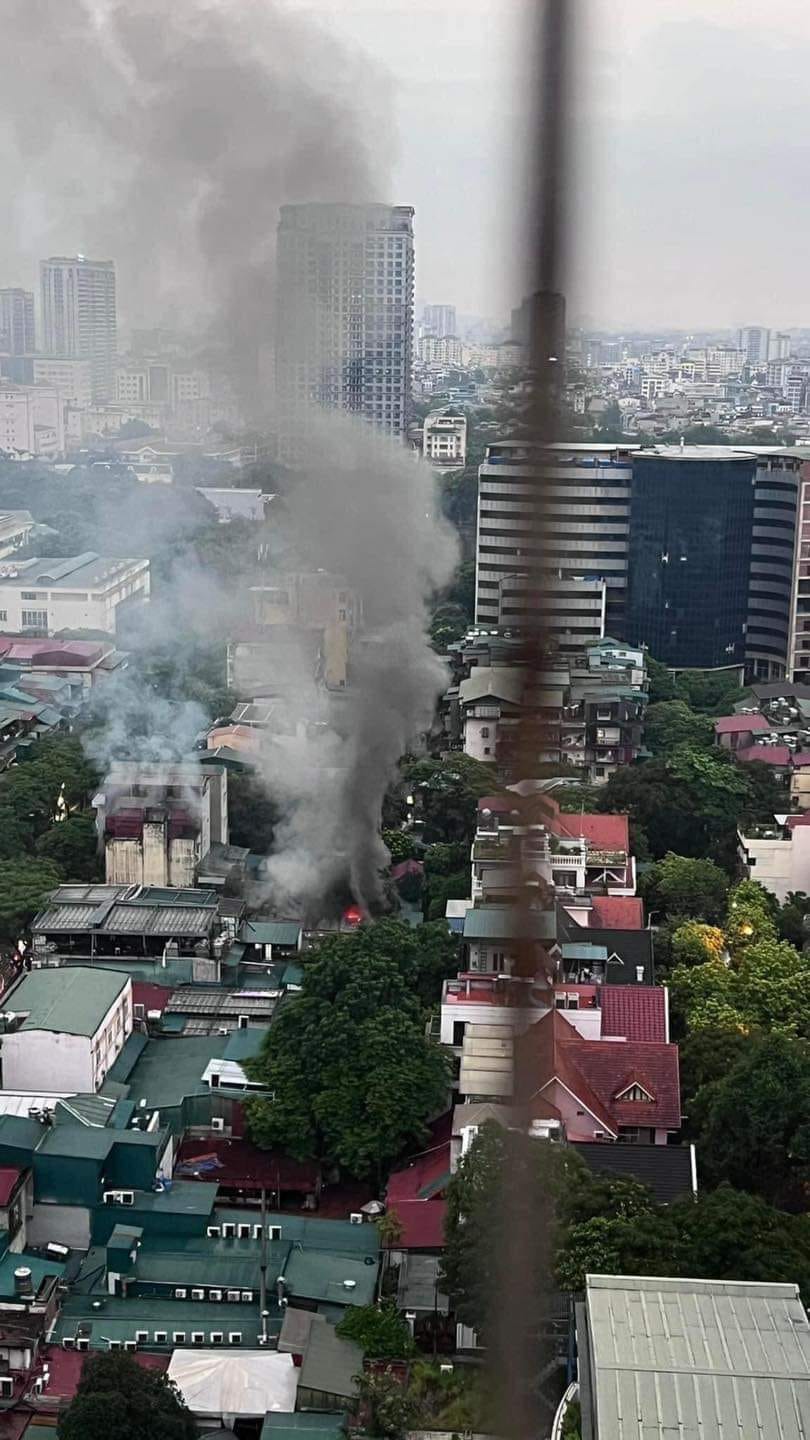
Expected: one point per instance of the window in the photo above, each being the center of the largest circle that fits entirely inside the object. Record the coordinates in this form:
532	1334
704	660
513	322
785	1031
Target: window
33	594
3	615
484	732
35	619
459	1026
635	1092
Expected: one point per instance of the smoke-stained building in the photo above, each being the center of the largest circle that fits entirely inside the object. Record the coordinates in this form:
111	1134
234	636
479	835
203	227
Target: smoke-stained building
345	314
79	315
157	824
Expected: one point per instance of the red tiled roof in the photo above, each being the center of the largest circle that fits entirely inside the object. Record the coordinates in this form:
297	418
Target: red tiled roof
239	1164
801	758
423	1173
66	1368
739	724
608	832
636	1012
152	997
422	1223
406	867
617	912
794	820
596	1070
767	754
9	1177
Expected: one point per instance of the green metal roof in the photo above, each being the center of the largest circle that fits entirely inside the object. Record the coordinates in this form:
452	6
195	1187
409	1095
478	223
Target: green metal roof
39	1268
312	1232
72	999
323	1275
270	932
501	922
171	1068
82	1142
303	1425
17	1133
330	1363
134	1047
118	1318
86	1109
244	1044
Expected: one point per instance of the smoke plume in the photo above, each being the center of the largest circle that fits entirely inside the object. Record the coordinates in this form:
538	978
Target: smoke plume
166	137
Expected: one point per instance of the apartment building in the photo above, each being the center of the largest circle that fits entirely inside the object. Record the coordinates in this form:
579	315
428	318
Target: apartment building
79	315
83	592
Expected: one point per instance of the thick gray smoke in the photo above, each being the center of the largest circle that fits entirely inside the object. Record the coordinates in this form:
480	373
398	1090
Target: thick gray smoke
167	136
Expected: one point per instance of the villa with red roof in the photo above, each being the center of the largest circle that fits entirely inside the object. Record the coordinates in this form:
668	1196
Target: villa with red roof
600	1089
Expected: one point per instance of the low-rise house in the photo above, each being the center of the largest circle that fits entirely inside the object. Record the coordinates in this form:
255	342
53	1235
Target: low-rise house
121	923
70	1022
738	732
778	855
640	1375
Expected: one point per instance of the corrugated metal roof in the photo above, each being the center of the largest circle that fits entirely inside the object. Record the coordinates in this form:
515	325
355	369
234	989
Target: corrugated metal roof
502	922
139	919
270	932
697	1359
71	999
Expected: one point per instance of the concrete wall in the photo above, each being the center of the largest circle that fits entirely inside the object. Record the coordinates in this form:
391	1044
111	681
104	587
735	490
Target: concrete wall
33	1057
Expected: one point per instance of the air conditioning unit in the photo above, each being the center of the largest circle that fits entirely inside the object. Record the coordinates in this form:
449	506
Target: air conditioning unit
198	1294
68	1342
130	1344
197	1337
274	1232
218	1124
82	1343
228	1230
356	1218
119	1197
446	1368
232	1297
247	1297
180	1293
217	1337
212	1231
214	1294
161	1337
141	1335
243	1232
6	1387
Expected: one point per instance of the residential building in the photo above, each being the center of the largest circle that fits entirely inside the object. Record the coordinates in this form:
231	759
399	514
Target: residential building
777	855
71	1022
31	421
122	923
71	376
81	663
689	1377
444	441
563	513
158	823
754	341
312	614
82	592
345	322
490	701
440	319
779	346
79	315
17	335
447	350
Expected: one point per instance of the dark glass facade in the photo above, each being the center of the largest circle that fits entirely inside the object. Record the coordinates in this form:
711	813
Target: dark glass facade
691	526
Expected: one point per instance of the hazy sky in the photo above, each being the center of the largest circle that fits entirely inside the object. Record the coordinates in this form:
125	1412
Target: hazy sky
690	205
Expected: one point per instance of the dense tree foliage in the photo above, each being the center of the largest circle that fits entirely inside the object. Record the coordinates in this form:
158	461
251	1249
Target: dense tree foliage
119	1398
678	885
447	794
671	722
379	1330
352	1074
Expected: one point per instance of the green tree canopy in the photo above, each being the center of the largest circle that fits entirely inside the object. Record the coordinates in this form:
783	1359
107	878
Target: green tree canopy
353	1076
767	988
24	887
682	886
753	1123
671	722
73	846
380	1331
118	1399
449	791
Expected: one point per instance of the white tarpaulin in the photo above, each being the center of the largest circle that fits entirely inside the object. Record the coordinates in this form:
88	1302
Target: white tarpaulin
218	1384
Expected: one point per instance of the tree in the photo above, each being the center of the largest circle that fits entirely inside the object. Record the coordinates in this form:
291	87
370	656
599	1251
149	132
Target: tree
753	1123
705	1056
399	845
791	917
710	692
687	802
671	722
353	1076
73	846
751	916
24	887
727	1234
448	792
388	1405
506	1184
660	684
693	943
679	885
118	1397
380	1331
390	1229
766	988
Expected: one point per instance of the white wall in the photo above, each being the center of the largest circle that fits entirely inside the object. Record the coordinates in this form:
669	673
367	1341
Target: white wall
476	743
70	609
781	865
32	1058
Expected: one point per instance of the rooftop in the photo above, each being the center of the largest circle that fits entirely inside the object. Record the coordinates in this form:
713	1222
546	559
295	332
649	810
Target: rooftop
635	1012
72	1000
500	922
89	571
171	1068
695	1358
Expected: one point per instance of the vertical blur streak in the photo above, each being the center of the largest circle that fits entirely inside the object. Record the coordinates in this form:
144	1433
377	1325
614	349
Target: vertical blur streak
525	1378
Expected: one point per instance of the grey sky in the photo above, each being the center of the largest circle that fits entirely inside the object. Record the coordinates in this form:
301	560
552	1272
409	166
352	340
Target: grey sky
690	208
